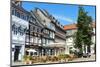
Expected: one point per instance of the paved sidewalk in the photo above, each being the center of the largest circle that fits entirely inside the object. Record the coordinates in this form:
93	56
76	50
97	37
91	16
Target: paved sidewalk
92	58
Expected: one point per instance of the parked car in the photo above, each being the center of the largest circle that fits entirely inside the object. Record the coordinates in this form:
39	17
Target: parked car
85	55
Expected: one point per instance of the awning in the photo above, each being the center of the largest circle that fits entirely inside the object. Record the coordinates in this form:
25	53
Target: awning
32	50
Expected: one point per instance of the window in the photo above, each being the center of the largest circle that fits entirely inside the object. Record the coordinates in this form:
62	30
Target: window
52	26
22	32
35	40
19	30
31	39
22	16
31	53
51	34
69	32
27	38
39	40
13	11
46	41
44	21
32	19
49	25
13	49
47	31
14	29
26	17
33	28
25	30
44	31
18	14
26	52
37	29
43	40
35	53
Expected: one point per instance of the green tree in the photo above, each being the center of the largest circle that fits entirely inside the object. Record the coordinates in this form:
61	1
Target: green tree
87	32
84	30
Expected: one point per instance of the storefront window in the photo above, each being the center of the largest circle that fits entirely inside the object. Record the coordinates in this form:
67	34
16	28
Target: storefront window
31	53
27	53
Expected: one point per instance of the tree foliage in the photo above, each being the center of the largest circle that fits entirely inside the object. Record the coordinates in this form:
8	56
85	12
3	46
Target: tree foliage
84	30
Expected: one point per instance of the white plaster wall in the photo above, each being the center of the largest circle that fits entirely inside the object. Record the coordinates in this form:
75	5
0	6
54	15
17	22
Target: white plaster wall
23	23
70	42
94	43
13	46
19	21
19	39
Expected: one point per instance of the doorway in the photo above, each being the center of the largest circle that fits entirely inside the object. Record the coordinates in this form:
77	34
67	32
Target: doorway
16	53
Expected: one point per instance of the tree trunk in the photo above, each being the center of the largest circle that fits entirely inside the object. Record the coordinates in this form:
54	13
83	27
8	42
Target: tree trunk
84	48
89	49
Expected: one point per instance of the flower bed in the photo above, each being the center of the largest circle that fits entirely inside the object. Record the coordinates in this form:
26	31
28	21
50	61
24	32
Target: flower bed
48	59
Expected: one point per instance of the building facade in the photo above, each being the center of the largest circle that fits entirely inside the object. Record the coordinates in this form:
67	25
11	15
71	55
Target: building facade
35	33
48	36
60	35
19	27
70	31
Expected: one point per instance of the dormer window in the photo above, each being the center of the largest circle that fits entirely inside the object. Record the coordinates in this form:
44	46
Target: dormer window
44	21
58	23
53	18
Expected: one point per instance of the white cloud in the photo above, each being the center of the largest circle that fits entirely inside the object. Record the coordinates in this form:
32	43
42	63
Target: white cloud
64	18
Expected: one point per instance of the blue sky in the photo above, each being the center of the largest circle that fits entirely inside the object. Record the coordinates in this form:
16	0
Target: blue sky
64	13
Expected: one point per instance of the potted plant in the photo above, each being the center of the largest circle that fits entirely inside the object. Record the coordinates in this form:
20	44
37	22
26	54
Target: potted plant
30	59
26	59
